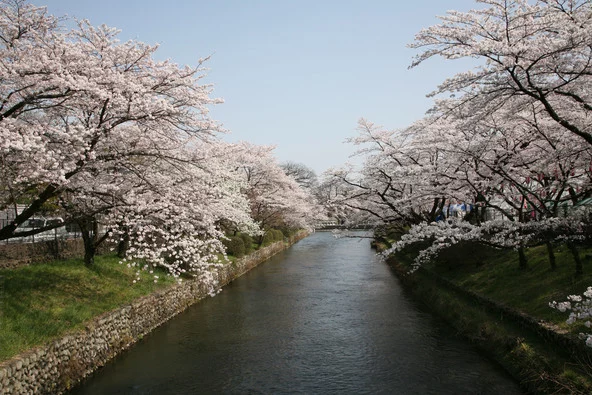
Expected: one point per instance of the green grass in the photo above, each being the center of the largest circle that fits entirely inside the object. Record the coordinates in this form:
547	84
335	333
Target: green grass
43	301
496	275
540	366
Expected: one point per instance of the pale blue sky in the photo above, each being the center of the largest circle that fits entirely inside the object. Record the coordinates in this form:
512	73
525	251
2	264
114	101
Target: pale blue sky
295	74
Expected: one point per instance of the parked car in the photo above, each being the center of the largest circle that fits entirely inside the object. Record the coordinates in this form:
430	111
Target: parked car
41	222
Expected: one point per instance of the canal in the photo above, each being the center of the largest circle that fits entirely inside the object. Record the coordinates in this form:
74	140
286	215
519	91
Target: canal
325	316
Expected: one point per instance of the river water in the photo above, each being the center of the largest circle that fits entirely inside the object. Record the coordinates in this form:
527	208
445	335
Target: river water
324	317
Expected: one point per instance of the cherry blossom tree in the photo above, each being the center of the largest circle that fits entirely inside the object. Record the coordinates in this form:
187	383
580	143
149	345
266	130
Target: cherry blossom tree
303	175
276	199
510	137
525	109
534	52
175	221
118	140
580	309
519	164
76	102
330	193
30	85
124	145
406	177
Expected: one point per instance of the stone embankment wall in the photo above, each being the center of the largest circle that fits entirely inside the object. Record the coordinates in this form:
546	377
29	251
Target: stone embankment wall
546	331
532	351
62	363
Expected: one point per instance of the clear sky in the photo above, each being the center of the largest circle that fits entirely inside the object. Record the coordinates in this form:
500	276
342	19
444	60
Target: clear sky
296	74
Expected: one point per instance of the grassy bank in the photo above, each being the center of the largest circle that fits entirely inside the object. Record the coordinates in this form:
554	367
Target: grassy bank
540	365
496	275
43	301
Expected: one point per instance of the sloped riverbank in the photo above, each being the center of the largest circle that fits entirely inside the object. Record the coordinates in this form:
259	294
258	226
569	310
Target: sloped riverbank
57	366
542	356
326	316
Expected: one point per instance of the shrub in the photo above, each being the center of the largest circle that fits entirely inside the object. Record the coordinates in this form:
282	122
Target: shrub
234	246
247	241
287	232
268	238
278	235
271	236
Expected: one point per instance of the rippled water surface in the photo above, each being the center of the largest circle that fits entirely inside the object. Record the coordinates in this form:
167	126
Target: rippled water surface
326	316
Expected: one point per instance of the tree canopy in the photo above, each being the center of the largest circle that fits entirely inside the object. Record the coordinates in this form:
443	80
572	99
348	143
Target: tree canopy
123	145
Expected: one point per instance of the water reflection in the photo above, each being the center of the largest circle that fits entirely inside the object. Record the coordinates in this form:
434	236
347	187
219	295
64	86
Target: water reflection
324	317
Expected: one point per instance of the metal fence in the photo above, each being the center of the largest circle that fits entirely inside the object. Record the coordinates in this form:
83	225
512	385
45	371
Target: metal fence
60	233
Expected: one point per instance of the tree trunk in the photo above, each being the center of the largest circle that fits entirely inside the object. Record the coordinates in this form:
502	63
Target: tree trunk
89	241
483	214
523	263
551	253
123	245
576	256
89	252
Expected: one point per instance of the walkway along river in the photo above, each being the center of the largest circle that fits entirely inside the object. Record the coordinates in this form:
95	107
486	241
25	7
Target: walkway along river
326	316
